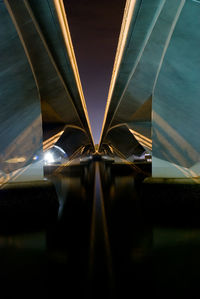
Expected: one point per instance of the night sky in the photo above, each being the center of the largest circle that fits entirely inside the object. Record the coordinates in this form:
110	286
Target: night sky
95	28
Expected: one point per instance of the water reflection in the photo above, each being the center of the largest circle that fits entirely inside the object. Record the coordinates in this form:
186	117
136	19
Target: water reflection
112	237
130	236
69	240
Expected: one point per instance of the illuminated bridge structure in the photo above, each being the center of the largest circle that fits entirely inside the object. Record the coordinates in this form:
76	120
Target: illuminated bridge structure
92	221
155	88
42	102
153	102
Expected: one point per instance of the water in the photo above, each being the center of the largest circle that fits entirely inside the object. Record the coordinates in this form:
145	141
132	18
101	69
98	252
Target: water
111	239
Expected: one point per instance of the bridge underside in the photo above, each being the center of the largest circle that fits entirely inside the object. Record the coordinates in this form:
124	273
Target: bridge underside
41	94
155	86
153	102
98	225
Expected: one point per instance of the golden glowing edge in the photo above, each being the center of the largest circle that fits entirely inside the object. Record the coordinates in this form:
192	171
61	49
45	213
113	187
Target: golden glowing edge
16	160
145	142
47	144
60	9
128	13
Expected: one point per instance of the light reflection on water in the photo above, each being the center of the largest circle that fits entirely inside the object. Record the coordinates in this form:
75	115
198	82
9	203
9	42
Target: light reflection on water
146	255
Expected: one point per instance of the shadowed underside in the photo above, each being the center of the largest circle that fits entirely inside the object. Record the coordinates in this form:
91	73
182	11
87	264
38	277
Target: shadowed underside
155	86
153	102
41	93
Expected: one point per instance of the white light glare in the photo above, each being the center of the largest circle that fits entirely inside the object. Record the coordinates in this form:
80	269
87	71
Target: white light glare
48	157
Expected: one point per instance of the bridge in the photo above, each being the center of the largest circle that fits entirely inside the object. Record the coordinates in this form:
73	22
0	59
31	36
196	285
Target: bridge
100	220
153	101
42	98
154	92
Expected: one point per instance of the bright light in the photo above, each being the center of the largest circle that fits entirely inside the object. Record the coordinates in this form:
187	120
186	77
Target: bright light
60	149
16	160
35	157
48	157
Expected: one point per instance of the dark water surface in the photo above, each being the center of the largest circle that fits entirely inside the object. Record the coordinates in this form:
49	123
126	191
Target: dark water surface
108	241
